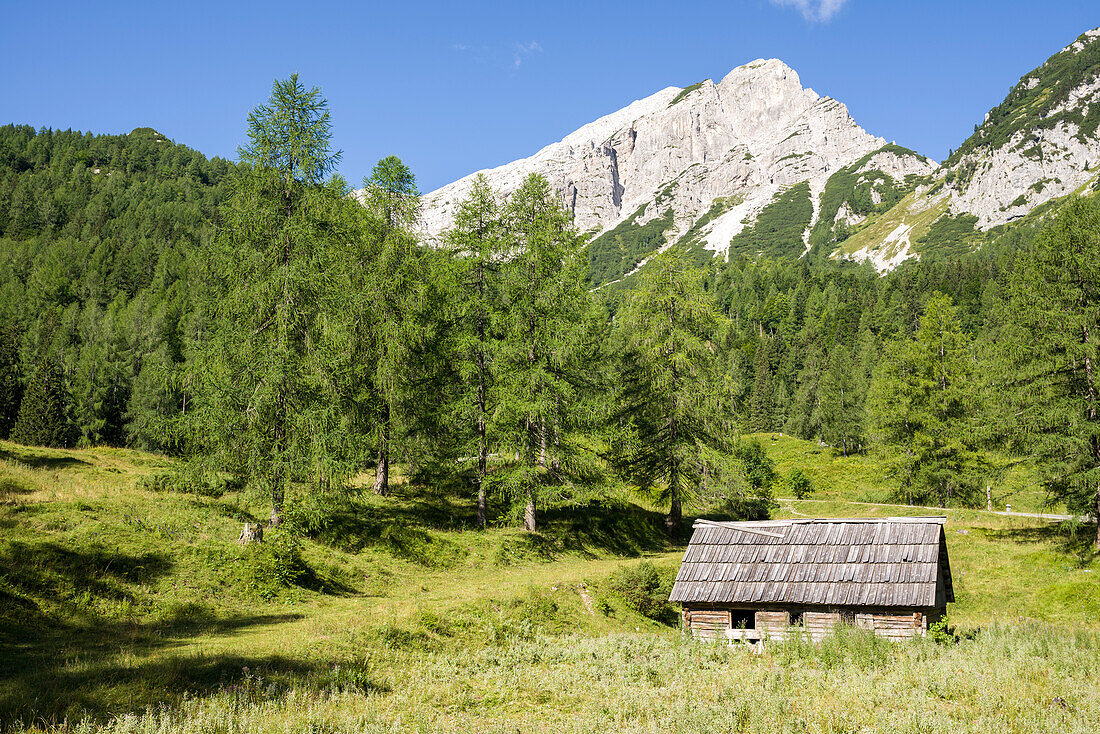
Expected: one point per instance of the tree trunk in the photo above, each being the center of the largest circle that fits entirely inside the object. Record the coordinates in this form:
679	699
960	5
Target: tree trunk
251	533
482	452
382	476
675	515
530	517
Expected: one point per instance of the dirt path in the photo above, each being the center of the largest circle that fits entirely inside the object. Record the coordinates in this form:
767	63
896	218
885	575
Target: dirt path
1037	515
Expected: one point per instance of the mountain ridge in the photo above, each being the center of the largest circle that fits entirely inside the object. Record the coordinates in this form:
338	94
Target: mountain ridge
701	165
751	136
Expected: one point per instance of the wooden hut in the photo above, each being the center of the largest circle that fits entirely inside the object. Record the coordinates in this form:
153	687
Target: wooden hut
750	580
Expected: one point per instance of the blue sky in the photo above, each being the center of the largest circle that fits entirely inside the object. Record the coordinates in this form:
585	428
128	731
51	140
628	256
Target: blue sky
455	87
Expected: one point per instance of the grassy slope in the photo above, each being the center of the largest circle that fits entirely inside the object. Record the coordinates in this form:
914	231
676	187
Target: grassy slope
917	212
114	598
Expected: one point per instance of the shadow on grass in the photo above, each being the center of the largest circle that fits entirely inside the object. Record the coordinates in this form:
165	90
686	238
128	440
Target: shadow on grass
42	462
100	673
402	523
65	654
74	581
1078	542
619	528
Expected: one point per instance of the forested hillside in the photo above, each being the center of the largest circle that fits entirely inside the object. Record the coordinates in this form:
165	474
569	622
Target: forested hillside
96	232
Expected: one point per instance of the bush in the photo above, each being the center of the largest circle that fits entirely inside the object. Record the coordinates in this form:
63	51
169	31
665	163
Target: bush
758	466
645	589
274	564
799	484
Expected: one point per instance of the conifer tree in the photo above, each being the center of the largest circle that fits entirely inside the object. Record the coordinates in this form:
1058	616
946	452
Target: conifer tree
11	386
44	414
542	305
921	411
476	242
673	398
388	291
839	403
804	419
276	263
1053	339
761	407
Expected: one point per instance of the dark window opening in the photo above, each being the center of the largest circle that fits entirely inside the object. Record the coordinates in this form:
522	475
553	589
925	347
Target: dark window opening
796	618
742	619
848	618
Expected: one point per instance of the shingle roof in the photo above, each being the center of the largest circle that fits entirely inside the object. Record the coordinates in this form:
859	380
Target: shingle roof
873	562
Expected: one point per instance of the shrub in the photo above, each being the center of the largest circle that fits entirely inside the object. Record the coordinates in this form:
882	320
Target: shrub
799	484
645	589
275	564
758	466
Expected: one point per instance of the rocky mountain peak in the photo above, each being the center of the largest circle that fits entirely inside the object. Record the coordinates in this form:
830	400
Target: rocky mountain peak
671	156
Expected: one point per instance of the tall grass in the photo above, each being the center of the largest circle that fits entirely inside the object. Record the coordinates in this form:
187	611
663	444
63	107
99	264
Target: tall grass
1027	679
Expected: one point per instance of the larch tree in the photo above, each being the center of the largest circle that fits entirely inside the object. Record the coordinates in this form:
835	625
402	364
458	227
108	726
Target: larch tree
388	292
921	410
476	243
674	400
543	301
1053	342
275	262
840	404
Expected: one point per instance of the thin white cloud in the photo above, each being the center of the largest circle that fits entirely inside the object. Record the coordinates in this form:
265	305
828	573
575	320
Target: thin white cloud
523	50
815	11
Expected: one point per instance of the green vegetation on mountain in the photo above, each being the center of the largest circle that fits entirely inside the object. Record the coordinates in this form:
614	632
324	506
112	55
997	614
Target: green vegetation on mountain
718	207
685	92
778	229
96	235
1038	93
951	236
618	251
856	189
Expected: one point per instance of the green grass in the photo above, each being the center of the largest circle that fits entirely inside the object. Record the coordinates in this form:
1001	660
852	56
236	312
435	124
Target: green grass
130	609
685	92
854	187
916	212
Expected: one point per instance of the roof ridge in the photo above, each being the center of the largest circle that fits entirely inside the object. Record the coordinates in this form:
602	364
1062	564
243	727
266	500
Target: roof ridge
743	524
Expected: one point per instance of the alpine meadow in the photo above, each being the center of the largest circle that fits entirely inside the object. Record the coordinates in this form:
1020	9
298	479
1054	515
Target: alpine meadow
284	452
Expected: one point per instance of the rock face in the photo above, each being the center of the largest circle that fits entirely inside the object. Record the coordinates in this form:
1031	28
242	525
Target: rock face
758	165
1040	143
748	137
